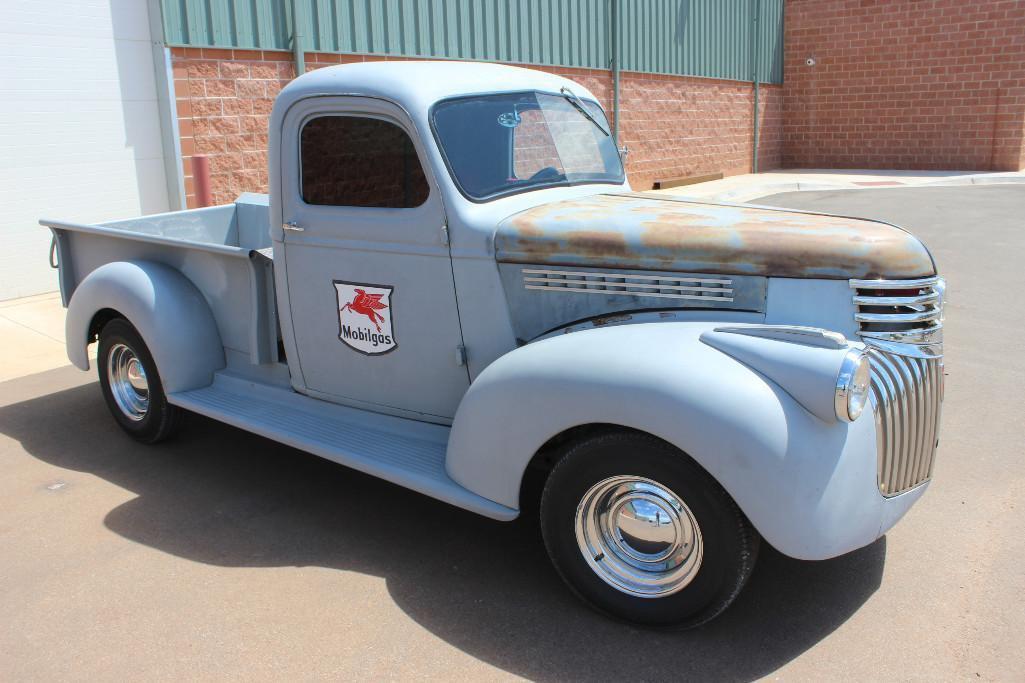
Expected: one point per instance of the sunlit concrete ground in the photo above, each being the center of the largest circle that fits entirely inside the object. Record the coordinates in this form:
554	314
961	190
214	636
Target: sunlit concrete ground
31	335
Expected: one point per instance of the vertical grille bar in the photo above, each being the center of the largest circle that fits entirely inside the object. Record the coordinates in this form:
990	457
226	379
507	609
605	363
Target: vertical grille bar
937	408
917	404
906	398
887	414
925	409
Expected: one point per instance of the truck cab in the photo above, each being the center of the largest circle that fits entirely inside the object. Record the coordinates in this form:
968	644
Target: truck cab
393	195
452	286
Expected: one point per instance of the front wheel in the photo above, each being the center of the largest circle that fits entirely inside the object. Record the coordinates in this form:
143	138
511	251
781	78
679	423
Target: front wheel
641	532
131	385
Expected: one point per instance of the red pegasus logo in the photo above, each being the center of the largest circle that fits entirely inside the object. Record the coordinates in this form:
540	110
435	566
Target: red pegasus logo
368	305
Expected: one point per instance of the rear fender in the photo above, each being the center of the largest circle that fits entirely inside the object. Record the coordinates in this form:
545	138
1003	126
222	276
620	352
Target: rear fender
799	478
165	307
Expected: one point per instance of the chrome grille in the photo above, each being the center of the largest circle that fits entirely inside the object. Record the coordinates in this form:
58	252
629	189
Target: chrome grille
661	286
906	395
900	311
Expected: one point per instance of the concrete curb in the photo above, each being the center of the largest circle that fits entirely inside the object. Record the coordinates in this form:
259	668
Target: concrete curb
980	180
746	194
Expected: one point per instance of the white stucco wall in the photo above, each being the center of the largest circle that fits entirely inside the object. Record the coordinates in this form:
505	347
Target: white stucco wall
79	126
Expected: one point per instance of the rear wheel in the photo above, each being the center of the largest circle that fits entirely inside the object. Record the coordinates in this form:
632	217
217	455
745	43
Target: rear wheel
641	532
131	385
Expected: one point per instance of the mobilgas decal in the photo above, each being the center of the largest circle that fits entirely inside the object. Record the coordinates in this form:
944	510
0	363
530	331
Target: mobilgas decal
365	317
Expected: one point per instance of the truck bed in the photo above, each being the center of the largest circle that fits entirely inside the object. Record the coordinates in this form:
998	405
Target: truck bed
242	225
224	250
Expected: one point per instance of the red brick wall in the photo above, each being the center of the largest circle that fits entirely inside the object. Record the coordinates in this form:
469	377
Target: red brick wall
678	126
928	84
224	99
674	126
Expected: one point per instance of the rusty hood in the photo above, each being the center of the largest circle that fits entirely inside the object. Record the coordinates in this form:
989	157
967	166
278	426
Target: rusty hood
648	232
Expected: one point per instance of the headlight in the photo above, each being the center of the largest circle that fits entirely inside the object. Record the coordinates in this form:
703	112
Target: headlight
852	386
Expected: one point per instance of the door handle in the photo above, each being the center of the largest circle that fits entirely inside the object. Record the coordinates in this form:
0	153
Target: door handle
292	226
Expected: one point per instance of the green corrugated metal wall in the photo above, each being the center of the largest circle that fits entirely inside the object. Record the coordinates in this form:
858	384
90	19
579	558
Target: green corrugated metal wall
711	38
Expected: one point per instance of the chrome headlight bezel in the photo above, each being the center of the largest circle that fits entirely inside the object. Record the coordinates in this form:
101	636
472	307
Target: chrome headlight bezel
941	289
852	385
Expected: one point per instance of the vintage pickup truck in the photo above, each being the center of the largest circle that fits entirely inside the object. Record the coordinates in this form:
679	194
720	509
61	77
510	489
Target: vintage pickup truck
452	287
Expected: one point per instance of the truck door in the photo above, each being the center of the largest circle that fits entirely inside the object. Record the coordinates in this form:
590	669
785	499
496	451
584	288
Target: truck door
366	257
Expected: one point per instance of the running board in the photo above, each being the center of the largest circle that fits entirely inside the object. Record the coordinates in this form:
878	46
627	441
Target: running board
402	451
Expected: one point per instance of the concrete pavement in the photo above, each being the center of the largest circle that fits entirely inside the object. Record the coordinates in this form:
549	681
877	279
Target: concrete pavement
224	555
749	186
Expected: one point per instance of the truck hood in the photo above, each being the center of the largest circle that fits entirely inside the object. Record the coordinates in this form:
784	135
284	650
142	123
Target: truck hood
648	232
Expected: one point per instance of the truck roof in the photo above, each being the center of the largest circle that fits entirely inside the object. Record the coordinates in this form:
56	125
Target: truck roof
416	85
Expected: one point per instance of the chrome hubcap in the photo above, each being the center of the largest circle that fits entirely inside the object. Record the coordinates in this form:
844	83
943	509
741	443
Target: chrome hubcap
127	379
638	536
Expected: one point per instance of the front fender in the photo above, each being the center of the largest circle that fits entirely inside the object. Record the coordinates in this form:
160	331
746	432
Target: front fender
807	484
165	307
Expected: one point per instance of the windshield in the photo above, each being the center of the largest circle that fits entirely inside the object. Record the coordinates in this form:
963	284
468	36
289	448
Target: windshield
500	144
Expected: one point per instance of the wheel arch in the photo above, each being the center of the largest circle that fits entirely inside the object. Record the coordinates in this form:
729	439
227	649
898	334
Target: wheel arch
169	312
99	321
530	401
554	449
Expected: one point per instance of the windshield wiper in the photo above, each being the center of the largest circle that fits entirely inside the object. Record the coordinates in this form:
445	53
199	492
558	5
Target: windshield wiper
575	101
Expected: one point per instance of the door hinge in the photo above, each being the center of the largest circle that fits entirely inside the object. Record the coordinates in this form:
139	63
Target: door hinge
444	235
460	355
292	226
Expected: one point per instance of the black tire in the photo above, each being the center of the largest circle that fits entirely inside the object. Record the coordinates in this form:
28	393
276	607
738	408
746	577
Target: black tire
728	541
160	419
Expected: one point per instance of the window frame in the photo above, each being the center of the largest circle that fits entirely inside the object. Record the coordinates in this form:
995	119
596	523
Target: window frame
530	188
424	168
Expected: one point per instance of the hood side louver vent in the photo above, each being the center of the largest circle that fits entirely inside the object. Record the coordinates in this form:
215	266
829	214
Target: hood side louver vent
545	297
627	284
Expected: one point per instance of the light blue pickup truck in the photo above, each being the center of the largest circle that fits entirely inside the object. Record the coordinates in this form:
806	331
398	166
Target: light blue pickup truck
452	287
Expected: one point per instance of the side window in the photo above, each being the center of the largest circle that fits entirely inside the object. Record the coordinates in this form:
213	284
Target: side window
356	161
